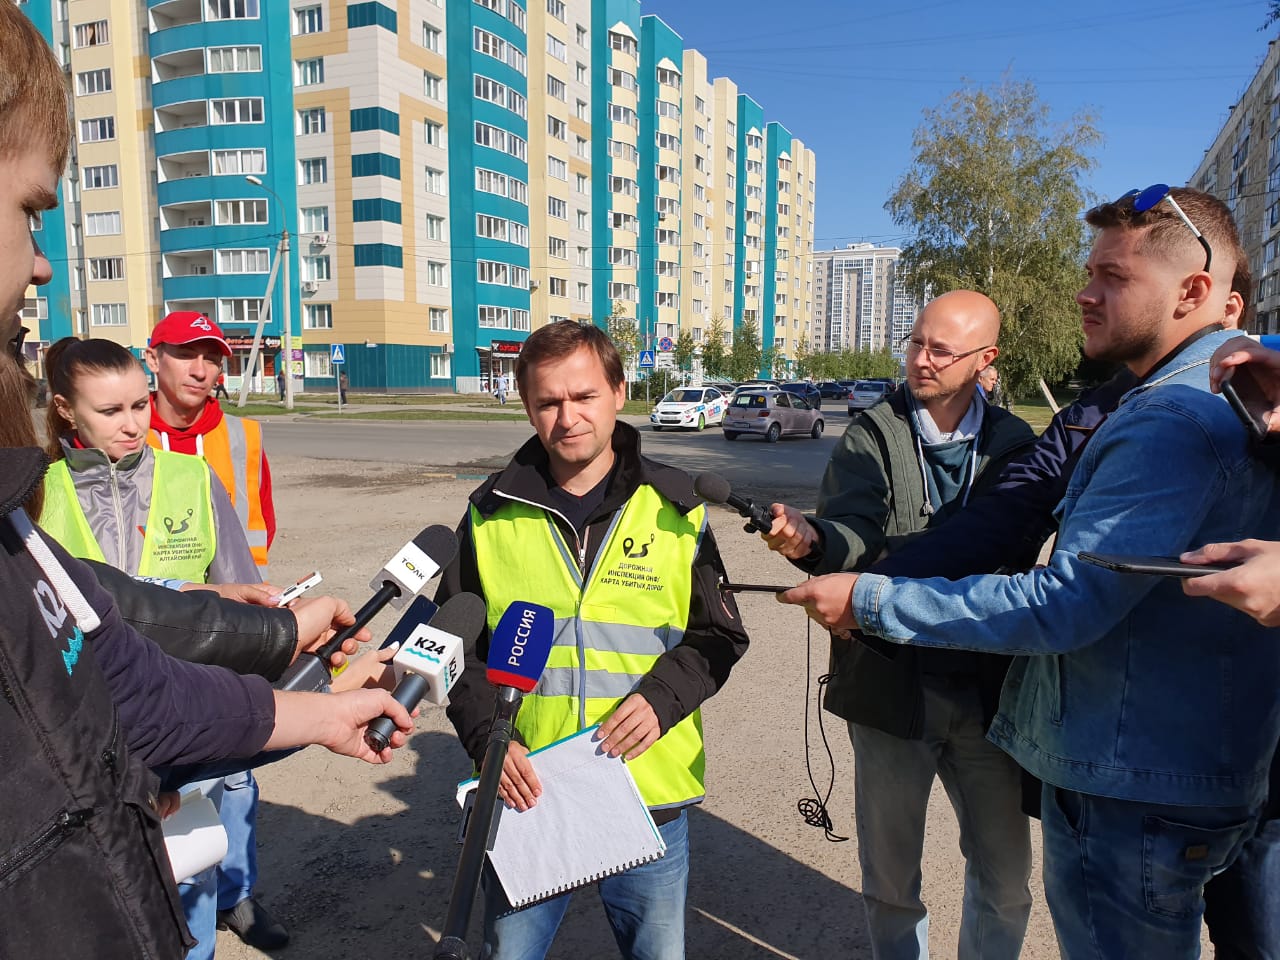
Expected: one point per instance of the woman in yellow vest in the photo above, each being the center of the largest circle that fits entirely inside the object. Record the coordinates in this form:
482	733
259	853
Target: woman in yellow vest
108	496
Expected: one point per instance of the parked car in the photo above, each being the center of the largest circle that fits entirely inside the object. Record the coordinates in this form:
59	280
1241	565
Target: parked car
834	389
754	385
693	407
867	393
771	414
805	390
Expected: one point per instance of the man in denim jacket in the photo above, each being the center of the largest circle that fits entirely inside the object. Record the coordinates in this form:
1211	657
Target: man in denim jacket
1150	716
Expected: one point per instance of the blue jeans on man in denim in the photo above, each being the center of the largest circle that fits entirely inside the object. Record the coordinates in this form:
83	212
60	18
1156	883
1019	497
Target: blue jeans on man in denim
199	893
645	907
1089	845
893	779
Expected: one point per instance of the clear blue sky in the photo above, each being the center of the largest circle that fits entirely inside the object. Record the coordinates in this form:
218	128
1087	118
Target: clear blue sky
851	78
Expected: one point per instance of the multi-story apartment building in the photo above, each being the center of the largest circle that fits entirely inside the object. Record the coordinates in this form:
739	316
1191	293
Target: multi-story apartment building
451	174
1242	166
861	302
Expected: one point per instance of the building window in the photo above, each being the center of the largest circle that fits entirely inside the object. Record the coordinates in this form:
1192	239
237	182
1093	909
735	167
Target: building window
240	211
313	219
316	364
441	369
559	287
581	33
308	72
93	81
557	48
437	182
106	268
584	291
108	315
557	88
102	224
432	86
35	308
314	268
234	60
438	319
244	311
557	128
557	168
556	9
435	228
491	228
519	319
317	316
494	46
97	129
311	120
308	20
229	162
491	271
98	178
494	316
433	133
437	274
313	170
231	9
93	34
557	208
558	248
431	38
622	43
243	261
237	110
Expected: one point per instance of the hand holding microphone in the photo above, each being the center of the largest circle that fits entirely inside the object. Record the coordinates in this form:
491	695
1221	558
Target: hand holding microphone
402	578
429	658
785	528
715	489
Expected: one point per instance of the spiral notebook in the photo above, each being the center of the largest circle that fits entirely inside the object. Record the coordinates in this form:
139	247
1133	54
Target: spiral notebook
589	823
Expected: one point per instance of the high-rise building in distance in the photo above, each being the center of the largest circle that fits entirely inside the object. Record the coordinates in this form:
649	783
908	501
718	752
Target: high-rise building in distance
452	174
860	301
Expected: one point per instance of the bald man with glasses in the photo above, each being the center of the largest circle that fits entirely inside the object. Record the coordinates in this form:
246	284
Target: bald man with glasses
902	467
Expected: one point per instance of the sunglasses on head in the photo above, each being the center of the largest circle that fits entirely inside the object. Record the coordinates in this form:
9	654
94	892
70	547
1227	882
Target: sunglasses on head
1144	200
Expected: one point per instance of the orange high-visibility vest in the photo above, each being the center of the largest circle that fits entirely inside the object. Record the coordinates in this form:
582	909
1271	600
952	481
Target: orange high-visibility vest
234	450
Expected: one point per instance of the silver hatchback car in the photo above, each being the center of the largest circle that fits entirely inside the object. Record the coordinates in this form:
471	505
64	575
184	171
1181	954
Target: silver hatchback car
771	414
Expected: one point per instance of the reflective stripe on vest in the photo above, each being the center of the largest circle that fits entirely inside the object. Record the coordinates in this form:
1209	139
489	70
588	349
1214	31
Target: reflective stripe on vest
610	631
180	537
234	450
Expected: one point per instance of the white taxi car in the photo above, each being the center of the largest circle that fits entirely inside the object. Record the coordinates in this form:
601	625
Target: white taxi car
693	407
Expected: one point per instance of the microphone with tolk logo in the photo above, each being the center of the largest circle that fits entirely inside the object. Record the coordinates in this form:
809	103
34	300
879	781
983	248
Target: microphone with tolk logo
417	562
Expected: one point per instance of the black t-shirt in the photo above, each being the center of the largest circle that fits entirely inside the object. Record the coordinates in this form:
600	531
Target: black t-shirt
578	510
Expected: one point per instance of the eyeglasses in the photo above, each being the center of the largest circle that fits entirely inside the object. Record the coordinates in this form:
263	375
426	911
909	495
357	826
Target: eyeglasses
941	359
1144	200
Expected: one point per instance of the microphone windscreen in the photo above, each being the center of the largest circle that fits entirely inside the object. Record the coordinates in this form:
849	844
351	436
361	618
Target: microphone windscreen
712	487
461	615
439	543
520	645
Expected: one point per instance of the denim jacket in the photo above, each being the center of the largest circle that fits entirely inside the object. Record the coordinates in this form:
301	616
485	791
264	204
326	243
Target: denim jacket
1125	687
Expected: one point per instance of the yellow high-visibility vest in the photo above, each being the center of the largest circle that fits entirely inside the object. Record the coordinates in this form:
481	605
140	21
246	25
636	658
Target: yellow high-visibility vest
611	625
180	537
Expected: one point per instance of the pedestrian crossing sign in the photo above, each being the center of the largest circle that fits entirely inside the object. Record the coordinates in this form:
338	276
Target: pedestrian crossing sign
337	354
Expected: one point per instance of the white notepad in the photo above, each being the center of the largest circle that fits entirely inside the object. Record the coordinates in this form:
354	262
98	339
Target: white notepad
589	823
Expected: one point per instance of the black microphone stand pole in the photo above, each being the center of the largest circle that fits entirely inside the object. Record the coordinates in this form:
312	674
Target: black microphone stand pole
480	829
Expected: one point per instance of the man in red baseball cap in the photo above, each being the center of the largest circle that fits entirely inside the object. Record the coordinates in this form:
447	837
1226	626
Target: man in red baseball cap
186	353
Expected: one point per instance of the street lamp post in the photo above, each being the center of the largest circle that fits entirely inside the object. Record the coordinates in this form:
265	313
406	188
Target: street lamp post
282	254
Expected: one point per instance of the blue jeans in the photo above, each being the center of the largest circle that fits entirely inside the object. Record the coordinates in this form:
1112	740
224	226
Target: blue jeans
238	872
200	904
1242	904
644	905
892	780
1126	879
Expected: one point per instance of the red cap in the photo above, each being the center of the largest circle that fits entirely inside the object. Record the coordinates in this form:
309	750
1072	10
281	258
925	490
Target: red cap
187	326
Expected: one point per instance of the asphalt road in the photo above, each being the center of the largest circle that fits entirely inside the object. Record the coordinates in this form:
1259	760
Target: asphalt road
789	469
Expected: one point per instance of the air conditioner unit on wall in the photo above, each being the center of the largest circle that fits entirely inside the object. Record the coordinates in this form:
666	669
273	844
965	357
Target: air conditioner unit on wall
320	240
310	286
447	348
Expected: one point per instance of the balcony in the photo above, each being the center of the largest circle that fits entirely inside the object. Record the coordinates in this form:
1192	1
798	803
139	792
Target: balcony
181	166
175	216
188	263
174	66
181	116
176	13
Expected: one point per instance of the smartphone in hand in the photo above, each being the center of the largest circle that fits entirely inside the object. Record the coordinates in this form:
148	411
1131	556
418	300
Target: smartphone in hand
1247	400
294	591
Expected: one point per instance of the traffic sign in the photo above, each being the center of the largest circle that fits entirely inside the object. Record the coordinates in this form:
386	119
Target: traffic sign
666	344
646	358
337	354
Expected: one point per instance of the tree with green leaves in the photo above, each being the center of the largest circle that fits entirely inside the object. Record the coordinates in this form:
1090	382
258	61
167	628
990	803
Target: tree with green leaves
994	199
625	335
685	351
715	358
746	356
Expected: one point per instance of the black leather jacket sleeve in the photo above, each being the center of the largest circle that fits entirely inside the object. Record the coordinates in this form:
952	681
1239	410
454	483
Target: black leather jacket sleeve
200	626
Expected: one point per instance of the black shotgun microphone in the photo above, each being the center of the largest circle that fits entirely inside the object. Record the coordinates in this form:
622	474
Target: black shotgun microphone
402	578
715	488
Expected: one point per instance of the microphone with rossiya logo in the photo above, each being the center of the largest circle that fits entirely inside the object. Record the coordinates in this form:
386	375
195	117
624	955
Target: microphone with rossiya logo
518	650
